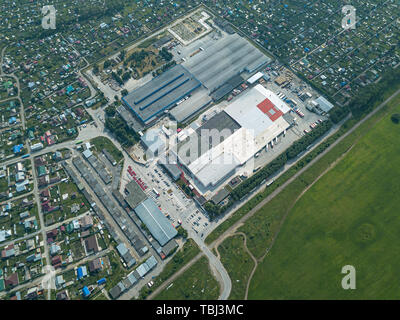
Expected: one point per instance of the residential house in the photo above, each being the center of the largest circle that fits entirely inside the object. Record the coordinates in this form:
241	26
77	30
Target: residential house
12	280
95	265
91	244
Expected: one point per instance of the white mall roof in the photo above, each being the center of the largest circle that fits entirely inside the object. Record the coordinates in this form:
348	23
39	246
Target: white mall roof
245	111
256	131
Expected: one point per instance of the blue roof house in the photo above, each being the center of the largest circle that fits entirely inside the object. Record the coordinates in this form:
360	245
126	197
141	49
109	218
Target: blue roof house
86	292
81	272
17	148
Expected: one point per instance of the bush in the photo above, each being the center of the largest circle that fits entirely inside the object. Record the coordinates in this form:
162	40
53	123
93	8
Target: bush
337	114
395	118
110	111
123	133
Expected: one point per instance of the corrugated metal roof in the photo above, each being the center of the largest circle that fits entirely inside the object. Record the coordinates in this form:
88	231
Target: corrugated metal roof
324	104
161	92
159	226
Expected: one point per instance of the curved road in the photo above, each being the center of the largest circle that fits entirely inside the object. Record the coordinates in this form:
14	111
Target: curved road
218	268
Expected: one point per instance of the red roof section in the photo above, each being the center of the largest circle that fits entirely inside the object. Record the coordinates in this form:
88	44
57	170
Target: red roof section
268	108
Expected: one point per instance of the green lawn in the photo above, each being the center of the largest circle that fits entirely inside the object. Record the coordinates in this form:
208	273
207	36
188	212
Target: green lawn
196	283
349	217
104	143
239	263
100	296
180	259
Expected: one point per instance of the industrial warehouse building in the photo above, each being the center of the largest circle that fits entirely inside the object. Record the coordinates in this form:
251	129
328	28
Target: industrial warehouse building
161	93
187	88
246	126
135	194
172	169
224	59
159	226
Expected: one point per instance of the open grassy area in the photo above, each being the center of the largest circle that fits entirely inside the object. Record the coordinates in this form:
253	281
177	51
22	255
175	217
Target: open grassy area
349	217
196	283
101	143
239	263
180	258
100	296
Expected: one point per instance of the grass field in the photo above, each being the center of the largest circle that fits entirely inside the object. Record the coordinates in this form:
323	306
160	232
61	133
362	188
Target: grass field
239	264
100	296
104	143
349	217
180	258
196	283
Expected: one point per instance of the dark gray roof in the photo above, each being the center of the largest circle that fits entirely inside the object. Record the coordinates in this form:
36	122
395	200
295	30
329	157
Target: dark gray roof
136	194
227	87
161	93
221	195
221	121
115	292
129	119
169	247
226	58
160	42
100	168
159	226
172	169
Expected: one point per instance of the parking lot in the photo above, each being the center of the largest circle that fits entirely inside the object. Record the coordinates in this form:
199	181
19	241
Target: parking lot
171	199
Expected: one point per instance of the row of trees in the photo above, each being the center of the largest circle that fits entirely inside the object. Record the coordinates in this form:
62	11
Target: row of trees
165	54
164	68
117	78
338	113
368	96
302	144
123	133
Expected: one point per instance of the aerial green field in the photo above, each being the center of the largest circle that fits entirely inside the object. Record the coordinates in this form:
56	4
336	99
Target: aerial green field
182	257
196	283
238	263
349	217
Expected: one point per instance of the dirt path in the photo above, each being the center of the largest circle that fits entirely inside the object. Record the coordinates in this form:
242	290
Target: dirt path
254	260
331	166
173	277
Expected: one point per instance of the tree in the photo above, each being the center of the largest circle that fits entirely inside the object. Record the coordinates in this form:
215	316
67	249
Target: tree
122	55
395	118
106	64
126	76
337	114
96	69
182	232
110	111
165	54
